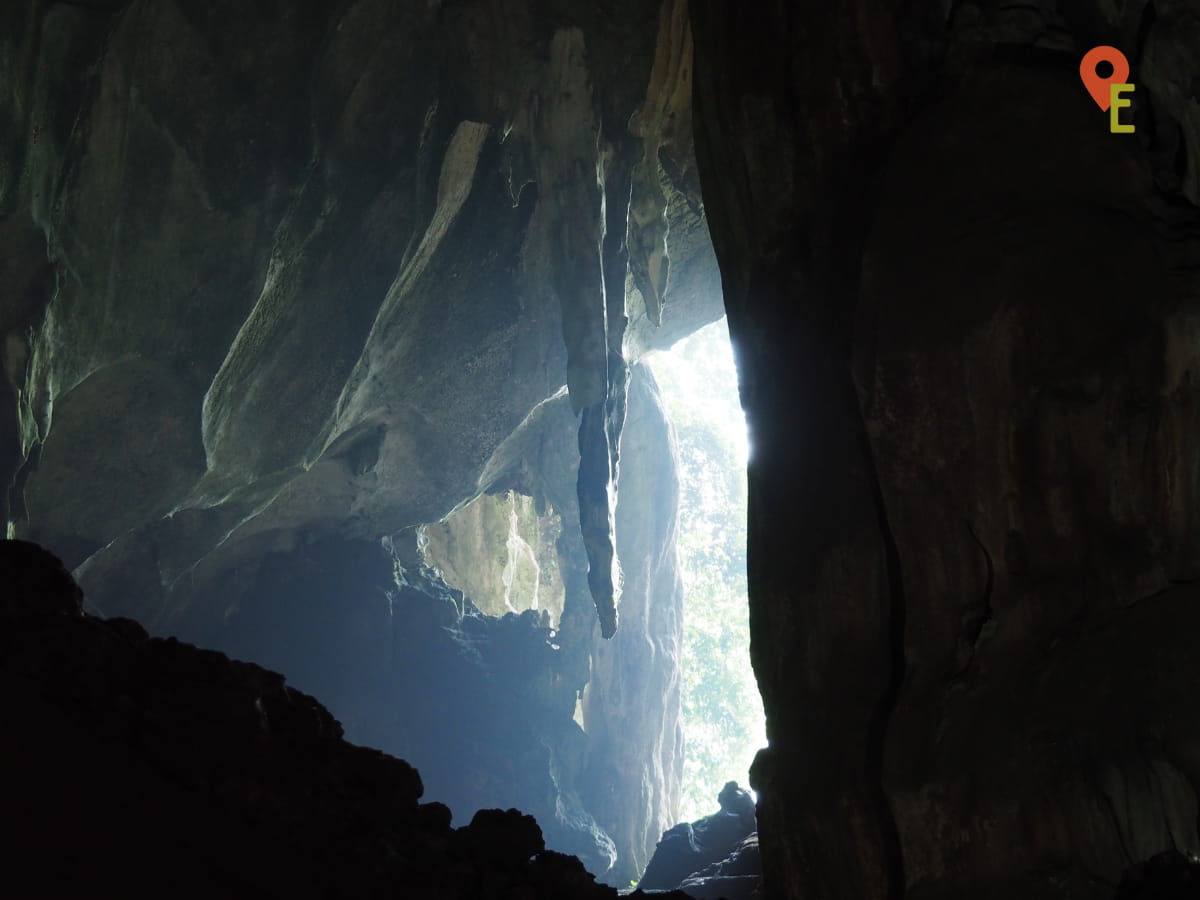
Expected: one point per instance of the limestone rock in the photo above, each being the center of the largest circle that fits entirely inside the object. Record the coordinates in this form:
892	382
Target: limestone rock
737	877
217	297
696	853
278	281
964	313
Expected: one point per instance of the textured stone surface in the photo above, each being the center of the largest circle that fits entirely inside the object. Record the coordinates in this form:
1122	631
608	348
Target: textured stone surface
276	279
482	705
632	700
704	851
963	311
486	707
309	269
736	877
500	553
630	708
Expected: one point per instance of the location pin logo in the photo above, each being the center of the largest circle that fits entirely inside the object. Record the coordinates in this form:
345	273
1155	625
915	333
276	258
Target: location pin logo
1106	89
1099	87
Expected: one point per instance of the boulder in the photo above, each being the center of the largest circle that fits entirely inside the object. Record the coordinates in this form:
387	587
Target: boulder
699	848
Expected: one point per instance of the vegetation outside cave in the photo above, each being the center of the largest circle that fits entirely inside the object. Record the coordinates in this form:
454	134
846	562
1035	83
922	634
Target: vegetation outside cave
723	717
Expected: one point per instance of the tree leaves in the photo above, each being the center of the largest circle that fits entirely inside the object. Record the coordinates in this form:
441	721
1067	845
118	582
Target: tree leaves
722	710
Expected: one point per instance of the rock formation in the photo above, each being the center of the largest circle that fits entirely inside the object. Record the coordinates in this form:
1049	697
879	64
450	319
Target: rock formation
282	283
1167	876
963	314
694	856
137	766
277	285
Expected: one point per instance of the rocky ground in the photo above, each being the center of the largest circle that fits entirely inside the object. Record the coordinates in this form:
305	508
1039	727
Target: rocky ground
716	856
138	766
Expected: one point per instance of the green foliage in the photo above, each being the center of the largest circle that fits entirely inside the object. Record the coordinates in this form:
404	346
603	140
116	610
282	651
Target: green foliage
722	710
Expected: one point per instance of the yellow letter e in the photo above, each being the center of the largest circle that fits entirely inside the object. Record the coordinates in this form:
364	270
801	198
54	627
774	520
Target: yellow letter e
1117	103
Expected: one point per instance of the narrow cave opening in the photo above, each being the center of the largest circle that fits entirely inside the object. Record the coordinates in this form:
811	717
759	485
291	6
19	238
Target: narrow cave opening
672	697
722	712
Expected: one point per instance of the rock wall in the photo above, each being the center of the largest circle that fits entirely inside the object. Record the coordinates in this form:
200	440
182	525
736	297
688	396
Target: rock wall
292	276
229	249
500	552
633	696
629	684
482	705
485	706
964	317
277	284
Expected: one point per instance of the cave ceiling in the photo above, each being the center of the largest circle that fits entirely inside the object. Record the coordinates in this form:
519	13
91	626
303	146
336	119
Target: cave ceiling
273	271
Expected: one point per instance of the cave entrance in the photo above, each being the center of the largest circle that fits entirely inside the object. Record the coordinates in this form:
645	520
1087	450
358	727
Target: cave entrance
723	720
516	554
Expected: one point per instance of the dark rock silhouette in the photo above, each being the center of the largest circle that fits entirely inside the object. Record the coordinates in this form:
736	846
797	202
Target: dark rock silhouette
36	584
343	252
735	801
695	852
134	766
1167	876
960	304
737	877
235	238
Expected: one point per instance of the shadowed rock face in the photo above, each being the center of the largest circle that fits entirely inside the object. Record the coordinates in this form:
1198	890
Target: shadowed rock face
484	706
279	275
964	313
1166	876
310	265
694	851
36	583
137	766
279	278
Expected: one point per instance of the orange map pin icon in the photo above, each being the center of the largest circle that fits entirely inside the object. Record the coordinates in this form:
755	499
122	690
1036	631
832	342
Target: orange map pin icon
1098	86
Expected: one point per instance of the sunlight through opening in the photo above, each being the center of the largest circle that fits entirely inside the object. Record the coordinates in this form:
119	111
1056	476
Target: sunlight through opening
723	718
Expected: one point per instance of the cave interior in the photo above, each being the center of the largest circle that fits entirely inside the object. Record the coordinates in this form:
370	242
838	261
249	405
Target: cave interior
341	501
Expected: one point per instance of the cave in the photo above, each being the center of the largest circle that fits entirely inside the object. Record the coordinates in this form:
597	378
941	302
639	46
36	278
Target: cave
341	509
720	708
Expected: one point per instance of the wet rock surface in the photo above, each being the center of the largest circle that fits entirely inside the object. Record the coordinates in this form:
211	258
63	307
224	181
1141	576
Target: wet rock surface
136	766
